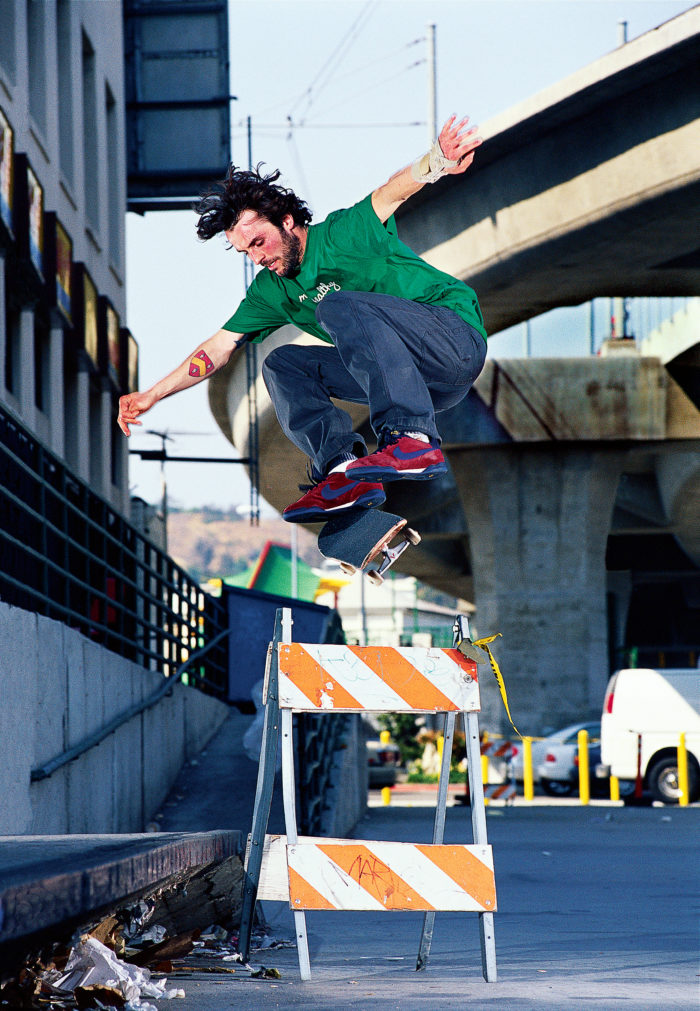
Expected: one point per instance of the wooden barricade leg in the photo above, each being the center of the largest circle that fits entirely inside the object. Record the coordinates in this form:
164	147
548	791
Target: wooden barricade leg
263	792
460	630
426	938
290	821
476	789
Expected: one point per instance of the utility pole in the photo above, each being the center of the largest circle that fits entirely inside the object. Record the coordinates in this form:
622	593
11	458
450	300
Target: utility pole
251	361
164	437
432	86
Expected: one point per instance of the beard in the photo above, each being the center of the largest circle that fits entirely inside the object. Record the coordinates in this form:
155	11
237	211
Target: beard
292	254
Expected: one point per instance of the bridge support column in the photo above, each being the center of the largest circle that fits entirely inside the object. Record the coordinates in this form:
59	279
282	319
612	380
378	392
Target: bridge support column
538	520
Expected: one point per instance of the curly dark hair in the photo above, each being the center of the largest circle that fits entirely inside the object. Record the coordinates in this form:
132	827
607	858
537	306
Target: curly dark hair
220	208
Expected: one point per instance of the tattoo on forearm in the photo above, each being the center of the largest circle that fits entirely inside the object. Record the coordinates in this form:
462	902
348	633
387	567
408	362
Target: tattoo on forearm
201	365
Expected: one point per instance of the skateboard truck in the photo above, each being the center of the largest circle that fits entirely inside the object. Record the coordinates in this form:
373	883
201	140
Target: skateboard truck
358	541
388	556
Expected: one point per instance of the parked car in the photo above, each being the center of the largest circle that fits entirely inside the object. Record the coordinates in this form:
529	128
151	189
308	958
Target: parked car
383	761
517	764
558	769
540	748
644	713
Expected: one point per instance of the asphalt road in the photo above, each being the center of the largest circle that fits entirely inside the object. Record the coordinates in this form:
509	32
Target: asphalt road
597	908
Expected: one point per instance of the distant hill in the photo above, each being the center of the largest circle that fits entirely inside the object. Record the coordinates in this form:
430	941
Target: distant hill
210	543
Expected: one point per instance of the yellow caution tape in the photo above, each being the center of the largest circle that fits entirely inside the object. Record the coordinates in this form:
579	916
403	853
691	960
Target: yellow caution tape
484	644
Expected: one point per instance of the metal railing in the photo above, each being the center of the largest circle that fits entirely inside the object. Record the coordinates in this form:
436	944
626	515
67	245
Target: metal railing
655	656
66	553
319	738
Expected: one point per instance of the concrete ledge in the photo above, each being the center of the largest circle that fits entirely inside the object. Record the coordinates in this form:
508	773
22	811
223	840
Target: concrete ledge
52	881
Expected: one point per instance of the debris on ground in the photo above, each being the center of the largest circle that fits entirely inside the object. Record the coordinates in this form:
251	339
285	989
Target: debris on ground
125	962
94	966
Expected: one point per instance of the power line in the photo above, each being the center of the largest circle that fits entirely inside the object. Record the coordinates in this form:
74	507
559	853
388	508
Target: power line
383	59
371	87
329	126
336	57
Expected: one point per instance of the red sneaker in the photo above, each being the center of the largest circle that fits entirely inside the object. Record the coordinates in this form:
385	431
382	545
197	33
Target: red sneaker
331	496
404	457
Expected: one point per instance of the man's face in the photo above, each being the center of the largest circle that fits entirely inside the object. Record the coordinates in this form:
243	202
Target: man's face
278	249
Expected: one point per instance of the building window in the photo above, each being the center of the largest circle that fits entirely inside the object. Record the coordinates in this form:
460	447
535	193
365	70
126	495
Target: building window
36	47
90	140
115	210
65	91
7	40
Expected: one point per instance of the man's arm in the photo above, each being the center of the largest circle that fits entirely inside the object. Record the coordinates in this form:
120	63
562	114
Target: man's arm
456	144
208	358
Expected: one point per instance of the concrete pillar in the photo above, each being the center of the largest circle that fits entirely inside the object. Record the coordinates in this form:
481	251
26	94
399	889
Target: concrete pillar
104	448
3	320
619	596
82	434
27	386
56	394
538	519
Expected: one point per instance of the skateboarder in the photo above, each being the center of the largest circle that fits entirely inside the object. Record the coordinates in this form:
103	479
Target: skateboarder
398	334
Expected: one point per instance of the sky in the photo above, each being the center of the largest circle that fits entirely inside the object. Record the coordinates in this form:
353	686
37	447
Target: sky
337	92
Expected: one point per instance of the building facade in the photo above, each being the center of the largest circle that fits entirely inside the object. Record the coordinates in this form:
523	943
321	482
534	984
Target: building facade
65	350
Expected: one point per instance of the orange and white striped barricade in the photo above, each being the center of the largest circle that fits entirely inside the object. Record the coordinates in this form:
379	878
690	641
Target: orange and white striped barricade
501	791
503	752
346	874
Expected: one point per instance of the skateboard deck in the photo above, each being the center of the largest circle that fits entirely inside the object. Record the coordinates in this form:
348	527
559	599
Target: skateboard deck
359	539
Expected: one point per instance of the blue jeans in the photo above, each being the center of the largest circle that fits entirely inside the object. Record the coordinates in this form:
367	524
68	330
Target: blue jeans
406	360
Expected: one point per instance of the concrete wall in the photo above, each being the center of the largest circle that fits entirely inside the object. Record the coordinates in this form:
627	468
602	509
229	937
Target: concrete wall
56	687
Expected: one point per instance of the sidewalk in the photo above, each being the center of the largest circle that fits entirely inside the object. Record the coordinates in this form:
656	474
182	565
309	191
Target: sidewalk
595	909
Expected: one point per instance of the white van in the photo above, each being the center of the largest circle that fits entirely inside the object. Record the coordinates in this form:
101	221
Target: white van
650	709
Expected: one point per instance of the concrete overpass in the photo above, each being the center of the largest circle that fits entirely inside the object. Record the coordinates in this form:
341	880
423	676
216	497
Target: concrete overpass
571	479
590	188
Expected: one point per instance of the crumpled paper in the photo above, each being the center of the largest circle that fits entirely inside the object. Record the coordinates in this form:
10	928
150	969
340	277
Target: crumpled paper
91	962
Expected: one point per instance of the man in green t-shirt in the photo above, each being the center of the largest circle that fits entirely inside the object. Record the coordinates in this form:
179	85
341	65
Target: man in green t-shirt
397	334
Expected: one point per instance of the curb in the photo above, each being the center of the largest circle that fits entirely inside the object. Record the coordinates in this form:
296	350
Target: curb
52	881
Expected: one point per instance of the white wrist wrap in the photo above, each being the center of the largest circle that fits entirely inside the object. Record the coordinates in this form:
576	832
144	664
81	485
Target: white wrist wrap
432	165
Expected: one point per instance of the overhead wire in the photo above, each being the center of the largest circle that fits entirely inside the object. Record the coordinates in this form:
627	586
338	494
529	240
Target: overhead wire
266	128
370	87
383	59
336	57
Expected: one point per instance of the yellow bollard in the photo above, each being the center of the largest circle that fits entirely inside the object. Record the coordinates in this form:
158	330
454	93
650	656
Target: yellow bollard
614	788
385	736
682	772
386	795
528	777
584	786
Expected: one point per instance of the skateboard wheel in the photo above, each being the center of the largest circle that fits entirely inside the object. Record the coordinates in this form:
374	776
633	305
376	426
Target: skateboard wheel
412	536
348	568
374	577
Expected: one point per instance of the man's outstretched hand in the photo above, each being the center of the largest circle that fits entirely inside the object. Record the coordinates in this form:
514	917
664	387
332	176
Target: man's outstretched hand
459	143
131	405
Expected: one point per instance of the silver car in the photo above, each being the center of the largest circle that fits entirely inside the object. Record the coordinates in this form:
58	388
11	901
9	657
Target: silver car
383	761
558	769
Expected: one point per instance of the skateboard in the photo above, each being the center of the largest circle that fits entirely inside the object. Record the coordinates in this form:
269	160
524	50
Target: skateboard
358	539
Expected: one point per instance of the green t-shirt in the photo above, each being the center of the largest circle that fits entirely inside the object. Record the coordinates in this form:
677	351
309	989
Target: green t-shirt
351	250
